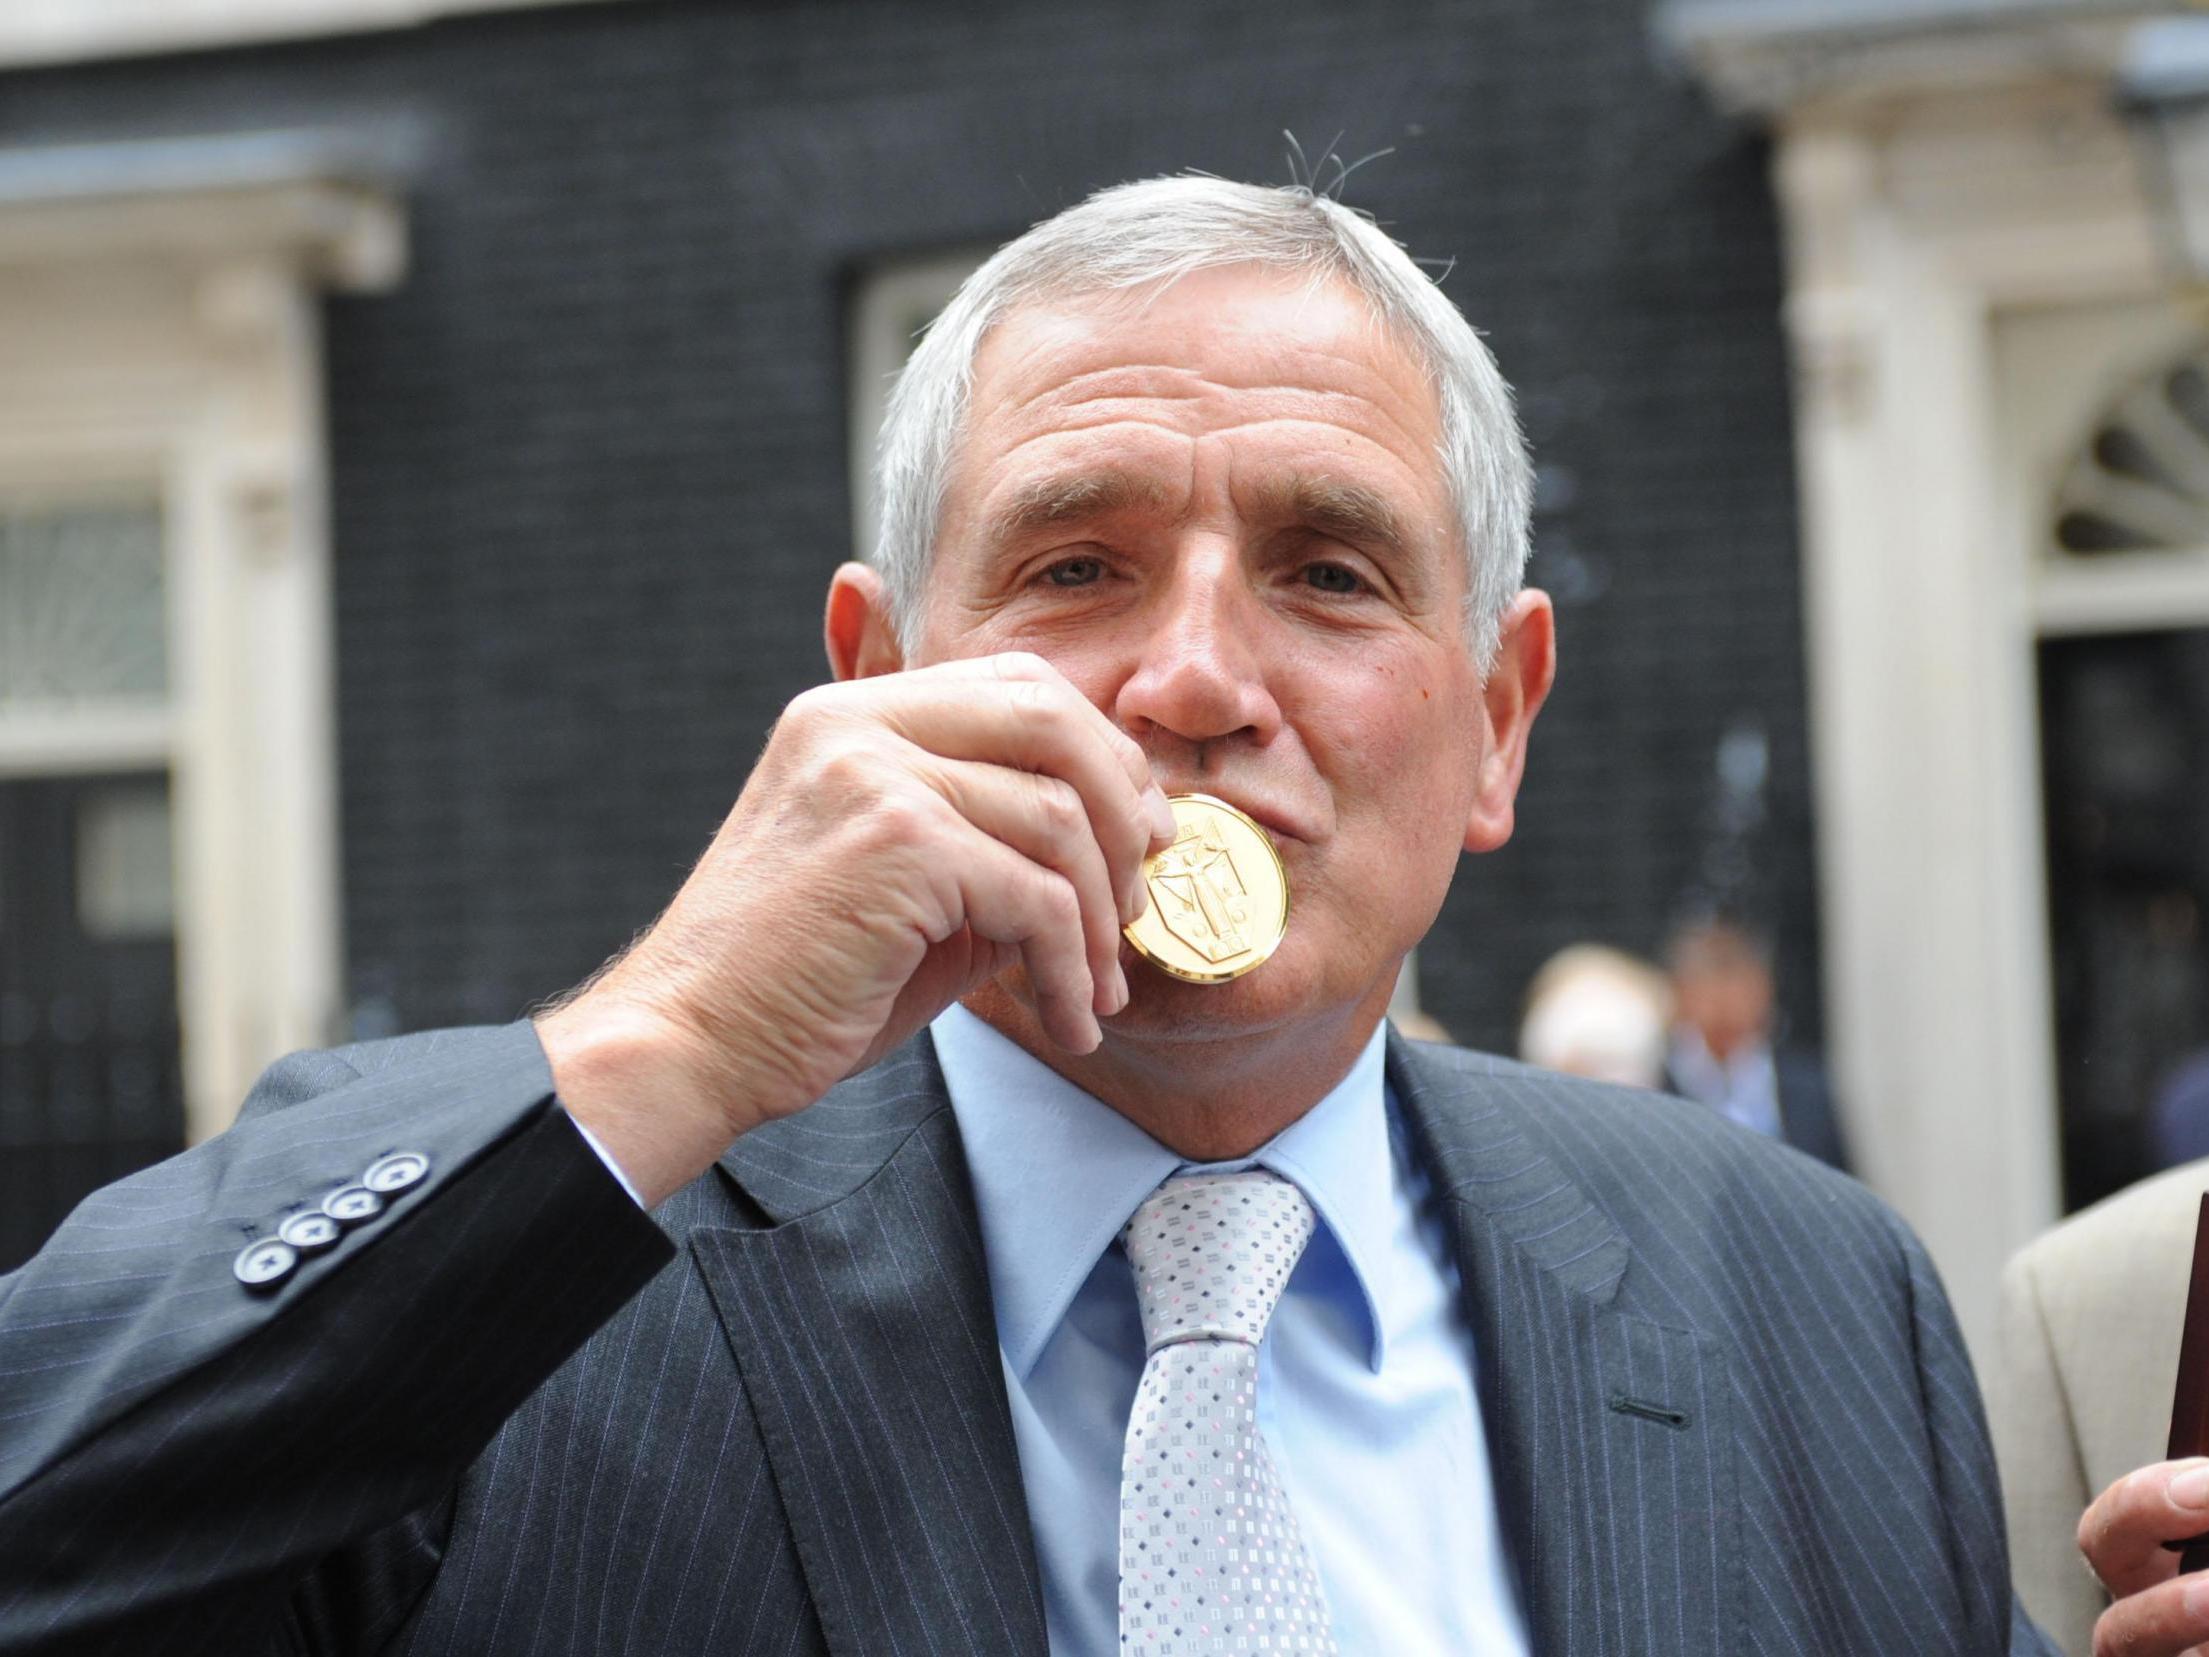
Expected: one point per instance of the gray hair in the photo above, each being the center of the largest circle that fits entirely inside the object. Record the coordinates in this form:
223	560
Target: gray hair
1155	231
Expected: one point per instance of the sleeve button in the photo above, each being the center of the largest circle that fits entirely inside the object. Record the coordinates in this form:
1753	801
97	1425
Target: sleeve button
264	1264
396	1172
351	1204
310	1232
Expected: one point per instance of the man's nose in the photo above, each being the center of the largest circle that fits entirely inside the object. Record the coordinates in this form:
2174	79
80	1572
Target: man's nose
1203	669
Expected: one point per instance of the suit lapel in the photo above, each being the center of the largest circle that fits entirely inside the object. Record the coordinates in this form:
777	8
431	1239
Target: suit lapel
861	1320
1607	1432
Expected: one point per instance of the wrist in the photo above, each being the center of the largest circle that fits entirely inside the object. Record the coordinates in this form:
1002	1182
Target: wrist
633	1079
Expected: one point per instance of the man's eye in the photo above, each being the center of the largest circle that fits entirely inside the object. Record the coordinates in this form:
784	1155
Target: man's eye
1075	572
1332	578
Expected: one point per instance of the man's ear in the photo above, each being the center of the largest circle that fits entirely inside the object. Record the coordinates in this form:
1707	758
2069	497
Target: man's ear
861	638
1518	681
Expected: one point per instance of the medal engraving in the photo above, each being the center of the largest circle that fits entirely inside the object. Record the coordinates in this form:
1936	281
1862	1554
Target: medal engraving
1219	897
1200	895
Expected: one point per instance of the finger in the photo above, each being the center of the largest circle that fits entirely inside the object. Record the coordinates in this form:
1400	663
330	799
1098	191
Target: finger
1025	665
1007	899
2123	1532
1039	724
960	964
1042	699
1046	821
2166	1620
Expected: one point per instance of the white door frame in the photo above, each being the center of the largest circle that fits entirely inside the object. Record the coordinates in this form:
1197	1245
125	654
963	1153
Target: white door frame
160	329
1939	179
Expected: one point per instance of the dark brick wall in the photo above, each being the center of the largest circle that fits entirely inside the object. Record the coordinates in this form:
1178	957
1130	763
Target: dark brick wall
590	459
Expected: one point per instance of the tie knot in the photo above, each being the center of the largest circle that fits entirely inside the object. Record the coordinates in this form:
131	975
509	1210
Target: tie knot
1212	1253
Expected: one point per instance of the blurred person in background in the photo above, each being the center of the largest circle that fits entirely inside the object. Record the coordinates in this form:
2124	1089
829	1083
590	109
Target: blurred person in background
1598	1012
1724	1051
1417	1025
2178	1115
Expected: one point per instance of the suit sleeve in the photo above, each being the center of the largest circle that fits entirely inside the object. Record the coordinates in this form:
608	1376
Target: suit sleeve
2042	1471
178	1449
1963	1463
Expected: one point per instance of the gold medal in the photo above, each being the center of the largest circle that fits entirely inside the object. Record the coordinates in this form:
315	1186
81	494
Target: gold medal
1219	896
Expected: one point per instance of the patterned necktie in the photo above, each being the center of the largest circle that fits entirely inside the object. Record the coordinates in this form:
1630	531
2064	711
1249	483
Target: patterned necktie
1210	1556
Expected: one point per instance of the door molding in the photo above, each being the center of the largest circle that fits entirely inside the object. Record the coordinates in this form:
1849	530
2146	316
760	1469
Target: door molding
160	328
1939	177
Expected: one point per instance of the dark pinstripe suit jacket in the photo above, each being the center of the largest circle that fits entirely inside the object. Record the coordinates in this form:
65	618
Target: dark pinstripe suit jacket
1727	1406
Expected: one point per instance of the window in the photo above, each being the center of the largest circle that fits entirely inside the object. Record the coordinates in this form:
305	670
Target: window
2141	481
891	306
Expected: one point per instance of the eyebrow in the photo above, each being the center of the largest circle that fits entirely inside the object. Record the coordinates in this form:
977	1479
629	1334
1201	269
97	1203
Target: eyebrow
1346	512
1053	502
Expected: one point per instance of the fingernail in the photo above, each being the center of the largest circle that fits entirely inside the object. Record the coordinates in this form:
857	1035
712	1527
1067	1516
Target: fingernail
1162	814
2191	1488
1120	975
1142	901
2196	1598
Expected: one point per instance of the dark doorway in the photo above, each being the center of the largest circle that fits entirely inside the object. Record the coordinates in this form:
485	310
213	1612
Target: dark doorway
2125	735
90	1078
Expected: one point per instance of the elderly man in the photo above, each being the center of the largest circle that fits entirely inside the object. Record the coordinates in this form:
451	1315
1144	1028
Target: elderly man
999	1291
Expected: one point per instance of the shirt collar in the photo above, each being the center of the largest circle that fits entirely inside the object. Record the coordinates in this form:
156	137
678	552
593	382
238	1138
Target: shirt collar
1692	1058
1058	1173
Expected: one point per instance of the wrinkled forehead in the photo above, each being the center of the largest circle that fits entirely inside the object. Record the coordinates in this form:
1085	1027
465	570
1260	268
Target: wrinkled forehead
1277	361
1255	324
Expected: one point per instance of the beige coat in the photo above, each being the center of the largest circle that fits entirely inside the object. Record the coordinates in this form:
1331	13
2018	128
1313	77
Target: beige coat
2091	1316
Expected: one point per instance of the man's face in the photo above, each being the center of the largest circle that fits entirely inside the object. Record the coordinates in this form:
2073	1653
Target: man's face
1726	999
1217	509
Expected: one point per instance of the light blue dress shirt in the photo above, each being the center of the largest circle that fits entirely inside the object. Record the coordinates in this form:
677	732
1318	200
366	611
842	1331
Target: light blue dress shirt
1365	1378
1744	1088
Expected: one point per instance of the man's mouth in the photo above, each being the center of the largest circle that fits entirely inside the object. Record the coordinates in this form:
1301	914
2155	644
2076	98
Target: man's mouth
1282	825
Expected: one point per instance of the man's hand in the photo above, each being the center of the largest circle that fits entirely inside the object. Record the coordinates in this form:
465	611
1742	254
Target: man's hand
2158	1612
903	840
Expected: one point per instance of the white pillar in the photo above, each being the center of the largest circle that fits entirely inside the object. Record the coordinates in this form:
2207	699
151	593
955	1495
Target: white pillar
1923	727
